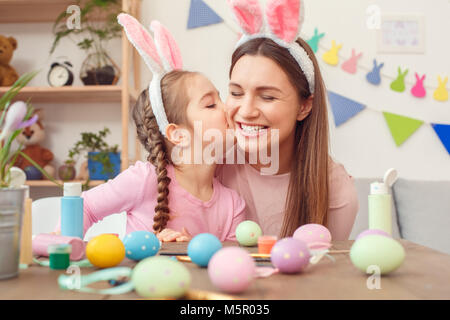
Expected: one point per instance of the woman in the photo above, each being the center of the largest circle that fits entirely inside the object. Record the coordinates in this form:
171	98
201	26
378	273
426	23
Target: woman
270	93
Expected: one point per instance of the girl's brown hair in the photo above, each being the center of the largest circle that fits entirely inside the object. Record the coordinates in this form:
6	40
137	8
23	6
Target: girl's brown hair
307	197
175	98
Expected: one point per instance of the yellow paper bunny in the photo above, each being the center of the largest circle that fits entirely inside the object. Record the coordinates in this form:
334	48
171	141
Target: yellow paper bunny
331	56
441	94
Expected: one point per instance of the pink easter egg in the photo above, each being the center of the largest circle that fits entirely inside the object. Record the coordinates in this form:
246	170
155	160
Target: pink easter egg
373	231
290	255
316	236
231	269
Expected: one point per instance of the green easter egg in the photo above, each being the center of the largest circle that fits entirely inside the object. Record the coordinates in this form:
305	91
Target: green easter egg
384	252
247	233
161	277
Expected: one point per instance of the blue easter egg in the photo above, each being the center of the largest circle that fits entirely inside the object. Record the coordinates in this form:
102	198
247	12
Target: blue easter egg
202	247
140	245
32	173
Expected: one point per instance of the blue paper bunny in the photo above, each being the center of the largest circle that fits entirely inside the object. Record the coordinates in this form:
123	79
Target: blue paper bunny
374	76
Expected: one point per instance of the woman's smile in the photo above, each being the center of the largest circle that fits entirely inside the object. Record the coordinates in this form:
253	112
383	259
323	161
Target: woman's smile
251	130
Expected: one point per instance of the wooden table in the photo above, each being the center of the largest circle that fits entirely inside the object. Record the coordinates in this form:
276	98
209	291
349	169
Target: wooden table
425	274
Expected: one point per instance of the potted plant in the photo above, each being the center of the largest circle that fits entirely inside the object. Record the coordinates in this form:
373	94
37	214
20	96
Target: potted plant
92	37
103	159
13	119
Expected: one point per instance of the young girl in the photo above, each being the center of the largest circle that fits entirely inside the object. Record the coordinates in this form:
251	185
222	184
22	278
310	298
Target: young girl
176	201
276	85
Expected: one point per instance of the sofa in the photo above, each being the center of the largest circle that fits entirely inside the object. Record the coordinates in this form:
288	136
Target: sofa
420	211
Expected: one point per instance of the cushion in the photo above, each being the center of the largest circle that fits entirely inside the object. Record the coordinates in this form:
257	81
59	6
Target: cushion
424	212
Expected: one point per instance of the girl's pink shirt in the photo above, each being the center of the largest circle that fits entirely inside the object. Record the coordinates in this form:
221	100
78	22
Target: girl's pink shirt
135	191
265	196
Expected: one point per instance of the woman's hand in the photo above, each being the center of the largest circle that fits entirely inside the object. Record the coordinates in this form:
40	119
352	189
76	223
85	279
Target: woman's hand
168	235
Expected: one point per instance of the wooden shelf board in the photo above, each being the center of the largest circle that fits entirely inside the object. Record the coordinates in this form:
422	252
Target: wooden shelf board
48	183
70	94
15	11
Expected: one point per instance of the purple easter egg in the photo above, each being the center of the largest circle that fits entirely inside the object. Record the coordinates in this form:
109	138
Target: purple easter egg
373	231
290	255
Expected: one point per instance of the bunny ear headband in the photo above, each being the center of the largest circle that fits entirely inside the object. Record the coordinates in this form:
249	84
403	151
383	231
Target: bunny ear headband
161	56
284	19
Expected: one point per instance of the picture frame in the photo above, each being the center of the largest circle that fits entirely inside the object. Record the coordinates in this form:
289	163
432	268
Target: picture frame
401	33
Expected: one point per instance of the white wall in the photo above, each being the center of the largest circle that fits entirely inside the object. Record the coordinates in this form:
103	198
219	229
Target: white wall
363	144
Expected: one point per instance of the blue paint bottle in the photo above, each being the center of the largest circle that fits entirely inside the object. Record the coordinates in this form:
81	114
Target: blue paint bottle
72	211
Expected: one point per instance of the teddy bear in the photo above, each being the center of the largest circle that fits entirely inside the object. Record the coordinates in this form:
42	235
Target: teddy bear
7	73
31	137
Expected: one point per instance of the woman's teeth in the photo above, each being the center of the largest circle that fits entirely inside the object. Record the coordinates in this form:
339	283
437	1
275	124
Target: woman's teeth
252	129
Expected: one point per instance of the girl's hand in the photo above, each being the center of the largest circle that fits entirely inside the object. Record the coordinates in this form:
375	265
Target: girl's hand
168	235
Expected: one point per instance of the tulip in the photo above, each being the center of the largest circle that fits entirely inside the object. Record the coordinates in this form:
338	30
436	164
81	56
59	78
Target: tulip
14	119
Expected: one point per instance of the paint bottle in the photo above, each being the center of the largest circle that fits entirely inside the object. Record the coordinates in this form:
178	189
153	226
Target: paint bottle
380	203
72	210
59	256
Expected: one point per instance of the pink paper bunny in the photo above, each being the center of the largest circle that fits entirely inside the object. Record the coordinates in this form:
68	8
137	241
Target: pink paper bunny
418	90
351	64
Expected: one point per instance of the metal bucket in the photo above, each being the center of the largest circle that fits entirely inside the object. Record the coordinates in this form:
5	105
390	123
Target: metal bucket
11	212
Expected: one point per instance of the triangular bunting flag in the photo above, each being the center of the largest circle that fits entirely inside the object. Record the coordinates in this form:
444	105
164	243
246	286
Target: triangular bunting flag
443	132
200	15
343	108
401	127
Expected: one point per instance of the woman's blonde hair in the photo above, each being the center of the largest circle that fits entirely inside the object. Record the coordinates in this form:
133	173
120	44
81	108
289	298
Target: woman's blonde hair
307	197
175	98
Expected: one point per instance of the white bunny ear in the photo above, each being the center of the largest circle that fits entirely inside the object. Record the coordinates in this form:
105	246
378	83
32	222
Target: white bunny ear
285	18
142	41
167	47
248	15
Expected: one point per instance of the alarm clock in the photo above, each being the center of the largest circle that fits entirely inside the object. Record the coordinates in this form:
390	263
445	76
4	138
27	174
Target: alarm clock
60	74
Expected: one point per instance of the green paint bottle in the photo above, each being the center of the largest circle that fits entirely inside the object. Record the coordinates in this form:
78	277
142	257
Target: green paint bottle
380	203
59	256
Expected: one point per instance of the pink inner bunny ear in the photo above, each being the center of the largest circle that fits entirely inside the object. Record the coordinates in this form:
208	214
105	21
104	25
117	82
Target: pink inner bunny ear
167	45
248	14
285	18
140	38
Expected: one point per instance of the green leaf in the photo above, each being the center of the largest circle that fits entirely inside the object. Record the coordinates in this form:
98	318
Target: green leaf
40	169
15	88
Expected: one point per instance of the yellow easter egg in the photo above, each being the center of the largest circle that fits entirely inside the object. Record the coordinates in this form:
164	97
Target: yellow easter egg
105	251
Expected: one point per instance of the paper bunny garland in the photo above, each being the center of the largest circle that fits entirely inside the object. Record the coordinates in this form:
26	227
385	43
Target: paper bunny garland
284	19
161	56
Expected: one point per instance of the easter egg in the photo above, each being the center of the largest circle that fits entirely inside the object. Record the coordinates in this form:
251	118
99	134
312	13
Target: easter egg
105	251
377	250
140	245
32	173
247	233
160	277
231	269
316	236
290	255
202	247
373	231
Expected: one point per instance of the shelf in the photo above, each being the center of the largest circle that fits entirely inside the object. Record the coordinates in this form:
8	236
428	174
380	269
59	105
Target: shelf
69	94
48	183
20	11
